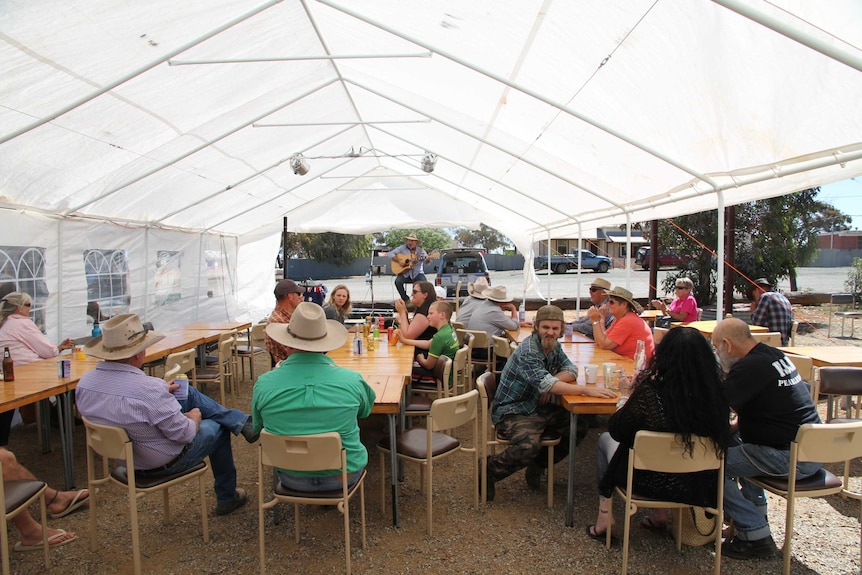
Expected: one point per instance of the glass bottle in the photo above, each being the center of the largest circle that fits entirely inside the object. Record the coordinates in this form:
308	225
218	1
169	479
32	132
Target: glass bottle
97	331
640	357
8	366
522	310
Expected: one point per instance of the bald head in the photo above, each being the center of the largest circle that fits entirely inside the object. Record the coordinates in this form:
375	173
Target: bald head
732	341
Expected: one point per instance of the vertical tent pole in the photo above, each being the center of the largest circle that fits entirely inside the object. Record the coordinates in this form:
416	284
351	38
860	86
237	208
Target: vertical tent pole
284	250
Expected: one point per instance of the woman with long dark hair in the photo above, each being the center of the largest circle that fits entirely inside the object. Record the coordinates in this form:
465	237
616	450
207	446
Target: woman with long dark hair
680	392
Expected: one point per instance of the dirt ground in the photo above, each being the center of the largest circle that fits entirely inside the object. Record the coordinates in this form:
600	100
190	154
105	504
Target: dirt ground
517	533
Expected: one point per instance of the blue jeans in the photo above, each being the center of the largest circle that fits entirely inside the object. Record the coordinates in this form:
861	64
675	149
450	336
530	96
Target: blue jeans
744	502
213	441
316	482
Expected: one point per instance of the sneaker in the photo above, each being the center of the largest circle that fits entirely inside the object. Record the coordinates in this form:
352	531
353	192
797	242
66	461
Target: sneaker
533	475
240	500
248	432
741	549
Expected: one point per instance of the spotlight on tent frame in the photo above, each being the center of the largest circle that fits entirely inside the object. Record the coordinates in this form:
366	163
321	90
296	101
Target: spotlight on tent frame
299	164
428	162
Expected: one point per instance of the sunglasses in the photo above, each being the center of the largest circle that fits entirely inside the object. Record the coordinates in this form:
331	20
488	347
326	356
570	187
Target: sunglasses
27	305
616	301
418	291
595	289
681	287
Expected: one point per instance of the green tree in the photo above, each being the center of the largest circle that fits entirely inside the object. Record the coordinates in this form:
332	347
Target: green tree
485	237
432	239
773	238
328	247
853	283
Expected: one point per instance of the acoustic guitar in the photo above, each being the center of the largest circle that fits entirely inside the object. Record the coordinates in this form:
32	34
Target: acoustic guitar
402	263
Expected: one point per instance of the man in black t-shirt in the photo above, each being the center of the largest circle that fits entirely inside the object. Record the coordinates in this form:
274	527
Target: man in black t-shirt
771	401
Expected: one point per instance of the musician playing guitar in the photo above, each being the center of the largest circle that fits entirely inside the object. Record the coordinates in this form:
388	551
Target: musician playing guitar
408	261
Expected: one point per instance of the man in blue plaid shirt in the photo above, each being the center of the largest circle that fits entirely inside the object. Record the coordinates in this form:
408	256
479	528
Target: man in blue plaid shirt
525	405
771	309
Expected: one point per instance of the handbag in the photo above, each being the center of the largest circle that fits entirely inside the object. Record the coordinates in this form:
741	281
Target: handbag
697	526
663	321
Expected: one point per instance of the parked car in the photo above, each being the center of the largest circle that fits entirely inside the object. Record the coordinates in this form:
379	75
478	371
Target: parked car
463	265
669	259
564	263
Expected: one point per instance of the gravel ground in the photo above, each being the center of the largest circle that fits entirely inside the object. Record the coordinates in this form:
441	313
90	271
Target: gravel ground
517	533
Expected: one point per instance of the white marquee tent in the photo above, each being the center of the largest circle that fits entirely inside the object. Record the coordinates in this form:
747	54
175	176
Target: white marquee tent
145	147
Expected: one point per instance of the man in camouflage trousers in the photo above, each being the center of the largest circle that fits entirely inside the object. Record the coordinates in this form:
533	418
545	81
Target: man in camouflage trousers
525	405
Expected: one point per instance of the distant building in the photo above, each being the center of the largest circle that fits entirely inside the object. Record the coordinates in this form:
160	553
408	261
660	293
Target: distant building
838	248
610	242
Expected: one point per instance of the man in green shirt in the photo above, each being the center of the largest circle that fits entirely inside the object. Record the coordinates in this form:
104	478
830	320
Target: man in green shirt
308	393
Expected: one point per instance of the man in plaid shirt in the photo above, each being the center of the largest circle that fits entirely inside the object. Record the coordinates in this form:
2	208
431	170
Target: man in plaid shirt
525	405
771	309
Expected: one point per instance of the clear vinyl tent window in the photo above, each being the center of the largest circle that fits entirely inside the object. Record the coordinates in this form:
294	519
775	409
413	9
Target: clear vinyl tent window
107	275
22	268
168	279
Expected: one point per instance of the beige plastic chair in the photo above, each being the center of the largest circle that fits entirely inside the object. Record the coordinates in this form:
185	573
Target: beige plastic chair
186	361
113	443
172	373
661	452
805	367
700	314
658	334
840	383
18	496
426	445
502	347
319	452
418	403
793	329
456	325
486	384
256	346
821	442
462	380
223	371
466	339
481	341
771	338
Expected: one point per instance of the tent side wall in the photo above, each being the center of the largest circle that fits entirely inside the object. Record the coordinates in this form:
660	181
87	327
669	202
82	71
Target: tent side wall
79	269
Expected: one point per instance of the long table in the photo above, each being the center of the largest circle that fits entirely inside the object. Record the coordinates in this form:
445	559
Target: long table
519	335
582	404
387	370
832	355
706	327
39	380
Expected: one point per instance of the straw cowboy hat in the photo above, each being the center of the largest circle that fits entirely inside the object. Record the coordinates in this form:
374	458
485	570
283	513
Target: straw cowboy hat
624	294
497	294
601	283
123	336
478	287
309	330
412	237
763	282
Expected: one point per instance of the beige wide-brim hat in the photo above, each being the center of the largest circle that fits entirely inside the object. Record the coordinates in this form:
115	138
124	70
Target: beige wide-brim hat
123	336
497	294
478	287
309	330
622	293
601	283
412	237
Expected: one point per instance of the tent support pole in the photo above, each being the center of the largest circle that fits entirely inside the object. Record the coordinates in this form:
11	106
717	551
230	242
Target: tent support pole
147	261
719	273
60	298
747	9
135	73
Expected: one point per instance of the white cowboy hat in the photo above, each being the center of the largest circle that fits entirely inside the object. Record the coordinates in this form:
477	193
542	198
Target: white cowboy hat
478	287
123	336
497	294
308	330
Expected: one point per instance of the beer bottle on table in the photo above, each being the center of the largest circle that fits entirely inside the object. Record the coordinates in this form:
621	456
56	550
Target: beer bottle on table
8	366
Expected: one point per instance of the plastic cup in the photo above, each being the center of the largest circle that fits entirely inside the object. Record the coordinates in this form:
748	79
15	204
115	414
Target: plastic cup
569	330
609	374
591	373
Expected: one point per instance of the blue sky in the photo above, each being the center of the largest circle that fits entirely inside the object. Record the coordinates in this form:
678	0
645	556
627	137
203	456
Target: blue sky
847	197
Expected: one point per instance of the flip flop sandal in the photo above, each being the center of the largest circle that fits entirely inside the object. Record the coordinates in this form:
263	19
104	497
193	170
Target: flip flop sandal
21	547
76	503
593	534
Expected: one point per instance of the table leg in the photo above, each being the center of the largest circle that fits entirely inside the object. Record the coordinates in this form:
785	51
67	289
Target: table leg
570	484
394	468
64	411
44	408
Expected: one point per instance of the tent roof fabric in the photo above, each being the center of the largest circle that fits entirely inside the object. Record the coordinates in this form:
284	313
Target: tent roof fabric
546	117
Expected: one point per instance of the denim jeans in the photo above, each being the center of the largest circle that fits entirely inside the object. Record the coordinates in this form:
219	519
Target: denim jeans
744	502
213	441
316	482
